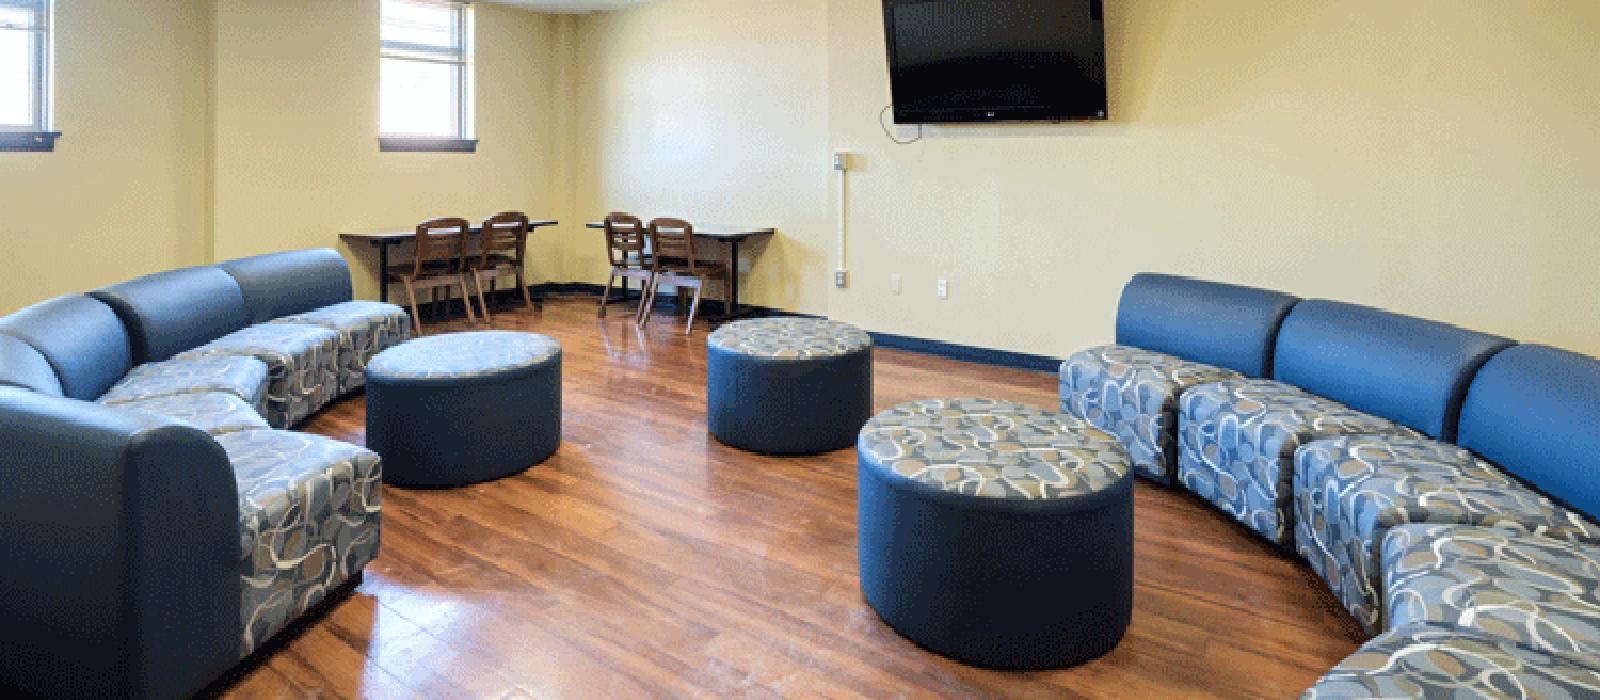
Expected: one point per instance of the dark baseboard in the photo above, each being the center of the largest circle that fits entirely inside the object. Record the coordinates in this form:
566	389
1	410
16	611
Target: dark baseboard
967	353
888	341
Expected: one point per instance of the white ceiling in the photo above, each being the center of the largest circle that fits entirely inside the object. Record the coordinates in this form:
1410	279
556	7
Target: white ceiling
571	6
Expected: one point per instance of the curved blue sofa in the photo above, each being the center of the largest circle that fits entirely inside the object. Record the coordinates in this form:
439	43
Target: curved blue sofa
1438	479
1172	333
139	521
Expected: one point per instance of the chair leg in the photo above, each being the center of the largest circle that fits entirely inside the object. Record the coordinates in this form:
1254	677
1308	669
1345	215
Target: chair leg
694	307
645	299
605	294
416	316
527	298
466	300
484	305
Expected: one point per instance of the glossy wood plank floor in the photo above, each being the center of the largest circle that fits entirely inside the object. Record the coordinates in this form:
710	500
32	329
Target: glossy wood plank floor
646	560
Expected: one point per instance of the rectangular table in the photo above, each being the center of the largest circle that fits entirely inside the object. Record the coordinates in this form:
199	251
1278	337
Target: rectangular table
383	240
722	233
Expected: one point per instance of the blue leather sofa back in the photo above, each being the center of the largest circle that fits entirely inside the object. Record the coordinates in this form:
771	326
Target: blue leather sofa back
22	366
1535	411
1218	324
81	339
120	554
281	284
1410	370
169	312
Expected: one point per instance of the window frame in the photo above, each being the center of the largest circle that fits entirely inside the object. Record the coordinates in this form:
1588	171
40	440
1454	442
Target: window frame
463	84
36	136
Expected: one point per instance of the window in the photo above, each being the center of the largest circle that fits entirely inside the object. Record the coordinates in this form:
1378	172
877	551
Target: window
25	76
426	95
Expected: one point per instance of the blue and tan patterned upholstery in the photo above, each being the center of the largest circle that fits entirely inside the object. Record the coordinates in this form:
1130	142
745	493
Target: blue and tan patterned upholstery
308	521
302	366
993	449
996	533
463	408
1438	662
365	329
214	413
1351	490
791	338
788	385
463	356
1538	592
1133	394
244	377
1237	440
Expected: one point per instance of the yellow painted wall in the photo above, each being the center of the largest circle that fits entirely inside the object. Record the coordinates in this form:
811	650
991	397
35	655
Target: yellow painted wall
1434	157
715	111
124	191
297	158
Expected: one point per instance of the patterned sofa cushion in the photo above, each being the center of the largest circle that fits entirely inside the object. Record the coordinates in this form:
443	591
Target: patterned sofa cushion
214	413
1350	491
1438	662
1237	441
302	366
1133	394
244	377
365	329
1539	592
308	521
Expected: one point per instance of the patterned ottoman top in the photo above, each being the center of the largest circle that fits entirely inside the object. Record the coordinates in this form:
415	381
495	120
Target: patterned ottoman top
464	356
790	338
993	449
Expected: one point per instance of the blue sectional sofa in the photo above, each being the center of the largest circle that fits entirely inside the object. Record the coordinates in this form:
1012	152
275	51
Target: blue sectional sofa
160	522
1443	482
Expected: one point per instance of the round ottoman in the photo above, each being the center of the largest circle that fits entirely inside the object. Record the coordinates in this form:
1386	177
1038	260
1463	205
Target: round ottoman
995	533
788	385
456	409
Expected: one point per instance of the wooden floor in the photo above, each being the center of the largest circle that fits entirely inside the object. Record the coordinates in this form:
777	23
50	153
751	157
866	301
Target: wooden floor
646	560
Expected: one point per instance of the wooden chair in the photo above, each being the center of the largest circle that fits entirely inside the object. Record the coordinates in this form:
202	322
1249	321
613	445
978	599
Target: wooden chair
502	250
441	263
627	249
675	263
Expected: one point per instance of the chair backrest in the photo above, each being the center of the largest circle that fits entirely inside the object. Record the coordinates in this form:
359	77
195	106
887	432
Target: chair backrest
503	234
282	284
81	338
442	240
169	312
673	243
1534	411
1224	325
625	239
1412	371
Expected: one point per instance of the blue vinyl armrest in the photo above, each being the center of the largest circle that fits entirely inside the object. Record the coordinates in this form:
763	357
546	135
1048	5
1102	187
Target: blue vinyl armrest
121	552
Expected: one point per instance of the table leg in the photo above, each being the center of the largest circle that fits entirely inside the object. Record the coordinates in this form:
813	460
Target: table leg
383	272
732	312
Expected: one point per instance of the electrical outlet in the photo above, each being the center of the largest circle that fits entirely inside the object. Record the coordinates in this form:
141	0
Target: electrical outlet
894	284
841	279
944	289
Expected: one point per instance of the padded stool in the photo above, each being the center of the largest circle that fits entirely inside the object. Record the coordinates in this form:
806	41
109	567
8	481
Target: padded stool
995	533
788	385
462	408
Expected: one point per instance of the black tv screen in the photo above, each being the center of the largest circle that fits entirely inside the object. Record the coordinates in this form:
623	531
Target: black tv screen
996	60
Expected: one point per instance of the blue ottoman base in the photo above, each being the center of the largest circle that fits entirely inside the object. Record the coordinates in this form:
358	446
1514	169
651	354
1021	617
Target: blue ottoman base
441	434
1003	584
787	406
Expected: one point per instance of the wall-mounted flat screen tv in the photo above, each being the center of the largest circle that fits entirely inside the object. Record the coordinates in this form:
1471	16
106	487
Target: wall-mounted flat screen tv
996	60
